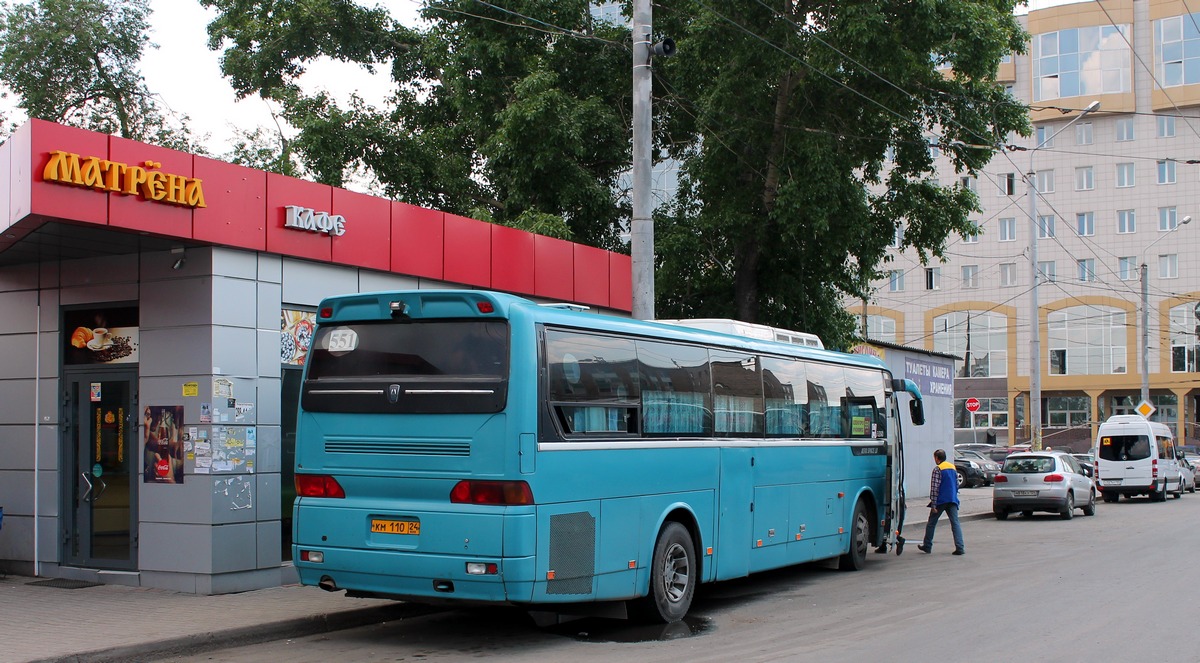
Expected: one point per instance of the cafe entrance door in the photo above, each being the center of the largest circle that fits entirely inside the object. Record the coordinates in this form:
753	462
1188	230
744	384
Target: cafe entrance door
101	458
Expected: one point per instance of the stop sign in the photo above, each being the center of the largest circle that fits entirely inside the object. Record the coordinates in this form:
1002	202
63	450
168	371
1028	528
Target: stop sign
972	404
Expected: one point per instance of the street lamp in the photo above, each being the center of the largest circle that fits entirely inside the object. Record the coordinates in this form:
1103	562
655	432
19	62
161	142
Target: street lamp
1146	311
1035	343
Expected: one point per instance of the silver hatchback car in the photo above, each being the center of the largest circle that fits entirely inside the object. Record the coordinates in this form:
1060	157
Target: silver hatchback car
1042	481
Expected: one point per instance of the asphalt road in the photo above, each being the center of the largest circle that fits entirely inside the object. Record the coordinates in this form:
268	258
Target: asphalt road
1117	586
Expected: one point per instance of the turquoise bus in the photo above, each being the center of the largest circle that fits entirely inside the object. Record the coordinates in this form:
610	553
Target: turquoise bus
479	448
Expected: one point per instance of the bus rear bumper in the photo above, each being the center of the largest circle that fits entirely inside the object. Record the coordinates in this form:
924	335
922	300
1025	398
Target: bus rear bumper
417	577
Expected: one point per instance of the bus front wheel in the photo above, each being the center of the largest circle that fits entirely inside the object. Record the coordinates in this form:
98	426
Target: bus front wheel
673	576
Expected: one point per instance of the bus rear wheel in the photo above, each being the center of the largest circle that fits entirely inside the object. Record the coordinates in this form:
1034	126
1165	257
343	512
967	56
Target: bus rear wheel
673	576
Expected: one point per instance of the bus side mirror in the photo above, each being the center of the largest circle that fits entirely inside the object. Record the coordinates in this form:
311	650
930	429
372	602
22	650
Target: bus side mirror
916	411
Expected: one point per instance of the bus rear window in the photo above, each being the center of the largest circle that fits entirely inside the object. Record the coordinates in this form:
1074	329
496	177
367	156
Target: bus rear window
1124	447
412	366
410	348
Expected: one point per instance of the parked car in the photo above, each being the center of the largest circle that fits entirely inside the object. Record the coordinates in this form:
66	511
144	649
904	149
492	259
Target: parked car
989	467
975	446
1137	457
1042	481
998	454
1087	462
1188	469
969	473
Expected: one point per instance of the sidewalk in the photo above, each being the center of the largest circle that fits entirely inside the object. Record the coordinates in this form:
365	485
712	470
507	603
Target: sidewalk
103	623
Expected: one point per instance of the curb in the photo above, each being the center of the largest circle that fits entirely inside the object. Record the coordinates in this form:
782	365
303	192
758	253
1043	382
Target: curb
200	643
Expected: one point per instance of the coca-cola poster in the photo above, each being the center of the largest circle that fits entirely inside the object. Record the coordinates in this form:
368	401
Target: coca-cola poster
163	434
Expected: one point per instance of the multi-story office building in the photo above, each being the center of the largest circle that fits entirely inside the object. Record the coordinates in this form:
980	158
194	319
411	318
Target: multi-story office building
1117	188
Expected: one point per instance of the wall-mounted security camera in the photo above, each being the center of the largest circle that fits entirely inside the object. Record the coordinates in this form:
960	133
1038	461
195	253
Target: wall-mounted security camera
664	48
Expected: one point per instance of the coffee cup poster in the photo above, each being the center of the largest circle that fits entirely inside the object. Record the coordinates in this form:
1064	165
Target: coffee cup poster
101	336
164	444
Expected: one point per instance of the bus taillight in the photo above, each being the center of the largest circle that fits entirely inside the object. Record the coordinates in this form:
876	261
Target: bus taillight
491	492
318	485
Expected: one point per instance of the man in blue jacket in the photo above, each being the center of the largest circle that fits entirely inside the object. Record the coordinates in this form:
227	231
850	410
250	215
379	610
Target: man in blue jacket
943	496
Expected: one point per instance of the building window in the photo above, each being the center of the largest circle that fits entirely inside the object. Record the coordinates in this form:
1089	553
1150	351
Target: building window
1166	123
1084	180
1167	219
1068	411
1126	221
1086	340
1177	50
881	328
1045	181
1125	174
1008	229
1083	133
1127	268
1185	338
1085	223
1125	129
1045	135
1047	271
980	338
970	276
1081	62
1008	184
933	278
1045	226
896	280
969	183
897	237
973	238
934	151
1087	269
992	413
1008	274
1168	266
1166	171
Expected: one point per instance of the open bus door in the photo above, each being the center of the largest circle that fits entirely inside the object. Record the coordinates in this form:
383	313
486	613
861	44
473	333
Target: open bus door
894	520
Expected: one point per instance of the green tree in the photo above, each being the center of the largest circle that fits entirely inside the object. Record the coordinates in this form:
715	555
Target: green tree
515	114
75	62
784	114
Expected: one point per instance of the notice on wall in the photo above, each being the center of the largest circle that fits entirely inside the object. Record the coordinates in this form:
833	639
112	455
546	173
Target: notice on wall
191	389
236	491
233	449
243	413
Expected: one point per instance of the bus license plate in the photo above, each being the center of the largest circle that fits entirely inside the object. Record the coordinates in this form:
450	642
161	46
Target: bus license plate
395	526
1025	493
1111	482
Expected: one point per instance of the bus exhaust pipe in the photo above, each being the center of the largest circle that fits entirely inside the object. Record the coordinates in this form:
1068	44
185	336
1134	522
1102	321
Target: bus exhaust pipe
327	584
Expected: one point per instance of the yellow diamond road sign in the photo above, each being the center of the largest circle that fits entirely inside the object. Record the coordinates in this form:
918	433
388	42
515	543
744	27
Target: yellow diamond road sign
1145	409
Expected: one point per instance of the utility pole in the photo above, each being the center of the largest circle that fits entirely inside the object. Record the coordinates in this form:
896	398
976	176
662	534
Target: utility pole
1035	338
641	231
1143	268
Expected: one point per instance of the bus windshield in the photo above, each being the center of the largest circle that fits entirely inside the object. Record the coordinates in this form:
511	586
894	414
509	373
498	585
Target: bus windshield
408	366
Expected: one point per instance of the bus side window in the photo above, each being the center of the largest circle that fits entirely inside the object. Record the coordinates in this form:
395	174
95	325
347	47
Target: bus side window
786	390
